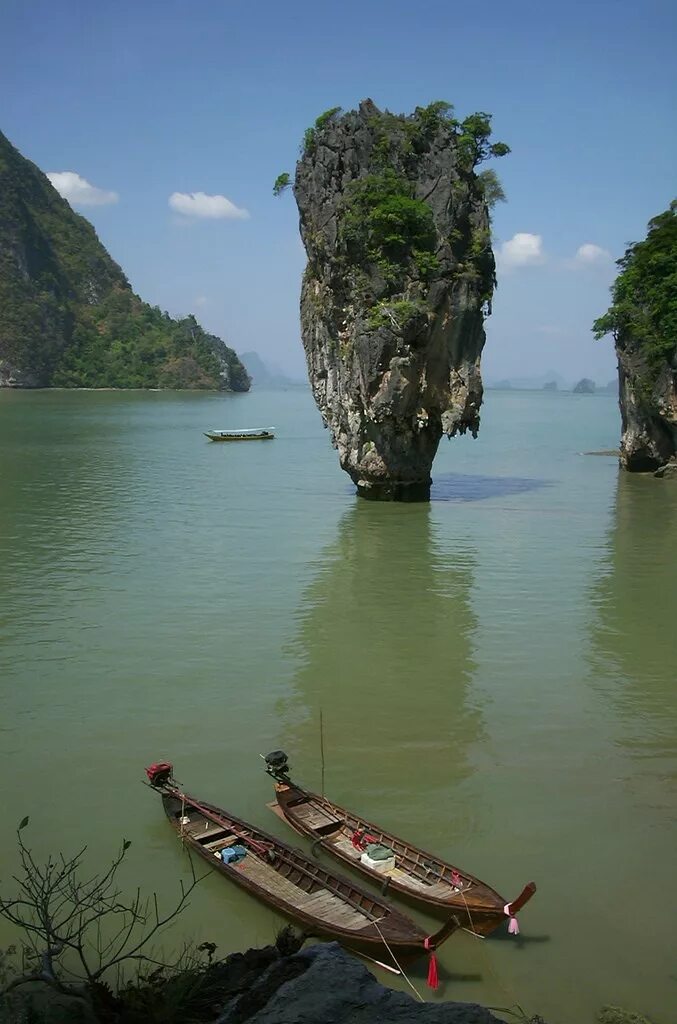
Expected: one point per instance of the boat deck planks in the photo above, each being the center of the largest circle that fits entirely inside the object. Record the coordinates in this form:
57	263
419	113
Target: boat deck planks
324	904
417	874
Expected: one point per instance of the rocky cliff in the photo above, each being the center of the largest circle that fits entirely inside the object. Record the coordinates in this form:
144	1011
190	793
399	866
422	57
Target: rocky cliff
68	316
395	221
643	321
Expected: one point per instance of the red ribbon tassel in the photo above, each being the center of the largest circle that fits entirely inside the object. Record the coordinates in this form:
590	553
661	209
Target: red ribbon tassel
433	980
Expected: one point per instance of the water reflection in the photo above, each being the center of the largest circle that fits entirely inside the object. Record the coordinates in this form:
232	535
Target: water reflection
385	645
635	639
475	487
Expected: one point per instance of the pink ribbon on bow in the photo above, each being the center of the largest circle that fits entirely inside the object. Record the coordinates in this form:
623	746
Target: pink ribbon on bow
513	927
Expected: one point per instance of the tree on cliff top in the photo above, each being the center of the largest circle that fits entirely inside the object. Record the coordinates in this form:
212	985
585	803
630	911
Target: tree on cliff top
644	308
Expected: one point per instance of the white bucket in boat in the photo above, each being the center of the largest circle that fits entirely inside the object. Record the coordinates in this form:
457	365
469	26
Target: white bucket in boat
382	866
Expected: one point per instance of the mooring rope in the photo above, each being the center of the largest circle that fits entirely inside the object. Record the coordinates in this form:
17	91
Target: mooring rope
397	964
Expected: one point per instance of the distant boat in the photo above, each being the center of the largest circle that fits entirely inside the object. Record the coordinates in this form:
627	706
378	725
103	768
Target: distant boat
241	435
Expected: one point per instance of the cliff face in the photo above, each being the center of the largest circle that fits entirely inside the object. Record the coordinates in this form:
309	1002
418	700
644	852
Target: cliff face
648	403
643	321
399	279
68	316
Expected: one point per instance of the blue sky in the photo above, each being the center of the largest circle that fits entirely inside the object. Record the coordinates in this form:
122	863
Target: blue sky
147	99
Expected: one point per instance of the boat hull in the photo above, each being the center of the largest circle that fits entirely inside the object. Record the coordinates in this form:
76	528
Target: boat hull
215	435
403	936
478	907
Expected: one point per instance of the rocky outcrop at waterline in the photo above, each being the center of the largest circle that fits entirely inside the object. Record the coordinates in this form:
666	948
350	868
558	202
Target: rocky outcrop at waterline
325	983
643	321
400	276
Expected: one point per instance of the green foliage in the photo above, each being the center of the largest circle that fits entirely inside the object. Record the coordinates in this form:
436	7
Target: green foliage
382	223
282	182
491	186
426	263
395	315
474	144
309	139
435	114
644	308
325	118
67	313
310	135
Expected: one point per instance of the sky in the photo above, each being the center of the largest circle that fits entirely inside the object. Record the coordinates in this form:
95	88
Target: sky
166	123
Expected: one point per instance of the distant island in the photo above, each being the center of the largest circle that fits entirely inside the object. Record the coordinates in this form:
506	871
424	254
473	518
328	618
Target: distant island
68	315
554	383
264	375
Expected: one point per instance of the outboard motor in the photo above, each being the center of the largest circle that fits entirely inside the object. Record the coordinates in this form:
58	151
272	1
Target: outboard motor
277	765
160	774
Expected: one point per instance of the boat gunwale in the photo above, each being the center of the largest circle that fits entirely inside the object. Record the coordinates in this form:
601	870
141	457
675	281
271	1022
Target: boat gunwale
465	899
399	930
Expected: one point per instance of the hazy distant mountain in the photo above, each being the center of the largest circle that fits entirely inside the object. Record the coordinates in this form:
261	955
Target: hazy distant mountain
585	386
536	383
264	375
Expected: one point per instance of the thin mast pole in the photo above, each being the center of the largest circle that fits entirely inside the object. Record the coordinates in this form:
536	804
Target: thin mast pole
322	749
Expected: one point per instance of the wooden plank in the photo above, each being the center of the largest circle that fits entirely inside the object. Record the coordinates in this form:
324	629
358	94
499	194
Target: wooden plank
203	833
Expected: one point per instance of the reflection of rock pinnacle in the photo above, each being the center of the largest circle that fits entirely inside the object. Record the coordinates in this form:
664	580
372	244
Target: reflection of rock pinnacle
384	648
400	275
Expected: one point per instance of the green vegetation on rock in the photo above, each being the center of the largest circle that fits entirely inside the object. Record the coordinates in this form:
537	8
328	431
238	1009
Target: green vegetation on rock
68	316
310	134
282	182
383	224
395	315
643	313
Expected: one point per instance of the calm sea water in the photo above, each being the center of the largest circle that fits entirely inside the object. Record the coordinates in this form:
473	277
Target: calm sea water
496	669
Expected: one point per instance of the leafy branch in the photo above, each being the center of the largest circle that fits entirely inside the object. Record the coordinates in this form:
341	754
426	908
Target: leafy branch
76	929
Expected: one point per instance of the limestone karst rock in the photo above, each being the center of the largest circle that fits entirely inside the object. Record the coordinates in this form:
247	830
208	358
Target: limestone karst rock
643	321
68	315
400	275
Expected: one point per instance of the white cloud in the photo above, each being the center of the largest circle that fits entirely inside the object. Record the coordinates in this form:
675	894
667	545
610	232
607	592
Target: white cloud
201	300
590	255
522	250
78	191
198	204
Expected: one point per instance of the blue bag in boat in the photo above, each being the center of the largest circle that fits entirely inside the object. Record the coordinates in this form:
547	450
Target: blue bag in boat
233	854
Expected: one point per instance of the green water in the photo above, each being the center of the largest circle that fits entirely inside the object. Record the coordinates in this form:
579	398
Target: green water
496	670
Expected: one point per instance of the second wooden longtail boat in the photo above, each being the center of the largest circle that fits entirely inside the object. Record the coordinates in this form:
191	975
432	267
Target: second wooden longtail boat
322	903
397	865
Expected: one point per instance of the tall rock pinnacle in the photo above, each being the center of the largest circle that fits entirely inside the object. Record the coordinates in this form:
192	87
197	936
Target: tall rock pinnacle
643	321
400	275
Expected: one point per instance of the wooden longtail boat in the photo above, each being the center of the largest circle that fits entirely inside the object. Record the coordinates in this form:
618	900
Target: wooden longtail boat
240	435
322	903
413	873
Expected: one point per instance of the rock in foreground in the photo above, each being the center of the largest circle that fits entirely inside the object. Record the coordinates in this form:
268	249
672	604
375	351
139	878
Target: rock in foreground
400	276
324	983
